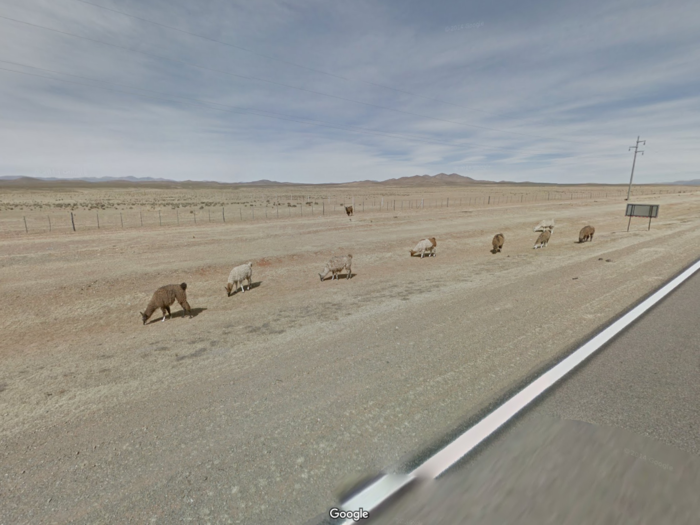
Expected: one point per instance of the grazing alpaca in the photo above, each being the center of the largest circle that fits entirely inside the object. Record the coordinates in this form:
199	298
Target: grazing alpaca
348	210
586	234
164	297
497	243
425	246
237	276
336	265
543	239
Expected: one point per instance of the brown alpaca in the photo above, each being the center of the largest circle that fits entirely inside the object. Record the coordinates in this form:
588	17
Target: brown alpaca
348	210
497	242
164	297
543	239
586	234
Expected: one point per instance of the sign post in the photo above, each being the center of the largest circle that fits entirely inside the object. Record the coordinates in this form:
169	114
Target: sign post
641	210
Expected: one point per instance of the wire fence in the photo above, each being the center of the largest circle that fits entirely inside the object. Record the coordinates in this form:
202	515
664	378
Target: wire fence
105	219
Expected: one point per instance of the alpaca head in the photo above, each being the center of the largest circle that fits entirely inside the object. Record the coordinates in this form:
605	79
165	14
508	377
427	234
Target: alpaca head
144	317
229	289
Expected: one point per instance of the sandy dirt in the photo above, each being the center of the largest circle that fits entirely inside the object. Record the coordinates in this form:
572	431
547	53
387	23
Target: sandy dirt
265	402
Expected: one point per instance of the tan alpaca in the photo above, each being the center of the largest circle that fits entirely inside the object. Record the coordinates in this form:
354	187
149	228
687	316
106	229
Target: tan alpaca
425	246
497	242
543	239
336	265
586	234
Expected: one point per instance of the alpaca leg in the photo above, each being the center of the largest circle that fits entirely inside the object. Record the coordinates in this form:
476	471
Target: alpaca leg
242	290
170	316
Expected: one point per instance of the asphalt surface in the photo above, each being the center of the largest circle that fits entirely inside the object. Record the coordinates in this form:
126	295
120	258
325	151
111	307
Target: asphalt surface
617	441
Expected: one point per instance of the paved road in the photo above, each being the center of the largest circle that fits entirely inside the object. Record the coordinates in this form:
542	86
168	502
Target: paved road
616	442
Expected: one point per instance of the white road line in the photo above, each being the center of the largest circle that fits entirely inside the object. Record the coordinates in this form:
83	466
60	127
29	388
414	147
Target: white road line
378	492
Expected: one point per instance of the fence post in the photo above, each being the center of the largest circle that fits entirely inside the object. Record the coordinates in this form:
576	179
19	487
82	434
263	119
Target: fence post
223	215
422	203
121	218
489	199
177	215
323	210
253	209
72	221
141	217
240	212
209	215
97	213
26	230
448	202
49	217
194	215
160	222
278	210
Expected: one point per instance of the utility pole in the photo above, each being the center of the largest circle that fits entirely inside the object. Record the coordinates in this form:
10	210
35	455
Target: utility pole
636	150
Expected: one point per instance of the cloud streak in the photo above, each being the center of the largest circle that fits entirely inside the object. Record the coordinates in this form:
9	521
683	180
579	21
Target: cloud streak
543	92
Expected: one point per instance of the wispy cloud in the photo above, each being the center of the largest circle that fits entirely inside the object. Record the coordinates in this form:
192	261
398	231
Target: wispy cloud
539	91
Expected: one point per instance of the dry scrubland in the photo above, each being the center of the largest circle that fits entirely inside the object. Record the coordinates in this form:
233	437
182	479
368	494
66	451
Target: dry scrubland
265	401
48	207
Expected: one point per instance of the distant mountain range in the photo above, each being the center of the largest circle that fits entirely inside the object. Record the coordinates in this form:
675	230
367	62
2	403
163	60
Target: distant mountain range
89	179
441	179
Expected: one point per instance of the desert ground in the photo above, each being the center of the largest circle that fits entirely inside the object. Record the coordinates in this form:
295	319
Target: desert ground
266	402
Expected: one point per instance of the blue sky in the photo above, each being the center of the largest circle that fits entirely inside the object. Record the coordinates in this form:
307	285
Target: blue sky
324	91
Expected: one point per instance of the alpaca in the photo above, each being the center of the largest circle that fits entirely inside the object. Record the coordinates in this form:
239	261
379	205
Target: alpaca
237	276
543	239
425	246
164	297
336	265
586	234
497	243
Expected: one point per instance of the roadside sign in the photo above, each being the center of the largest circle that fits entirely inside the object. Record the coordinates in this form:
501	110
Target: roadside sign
642	210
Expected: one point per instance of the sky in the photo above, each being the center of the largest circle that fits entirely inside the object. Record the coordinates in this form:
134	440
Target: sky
328	91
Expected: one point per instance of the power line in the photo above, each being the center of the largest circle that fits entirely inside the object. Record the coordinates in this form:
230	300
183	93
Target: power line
235	109
636	150
258	79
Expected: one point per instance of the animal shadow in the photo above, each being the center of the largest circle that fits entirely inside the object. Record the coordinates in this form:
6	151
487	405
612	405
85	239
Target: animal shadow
181	313
253	286
340	277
